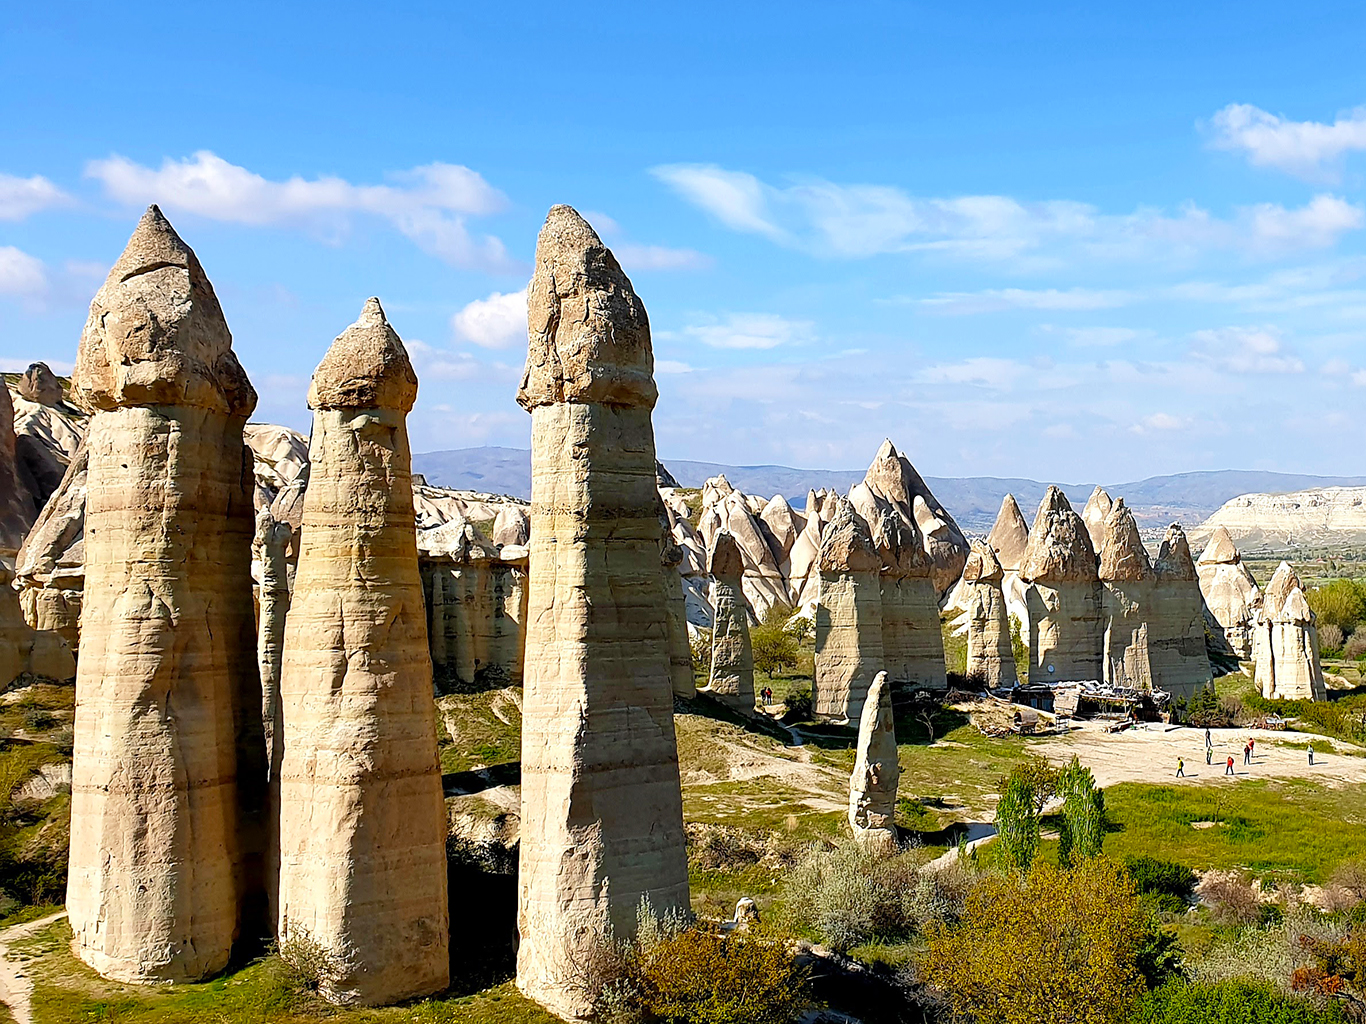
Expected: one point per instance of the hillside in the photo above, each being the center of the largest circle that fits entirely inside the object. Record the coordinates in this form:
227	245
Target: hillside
1323	515
1188	498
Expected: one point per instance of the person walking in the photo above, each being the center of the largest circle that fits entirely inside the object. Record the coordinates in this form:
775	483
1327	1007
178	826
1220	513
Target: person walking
1209	743
1311	755
1228	769
1247	753
1251	747
1180	768
1209	755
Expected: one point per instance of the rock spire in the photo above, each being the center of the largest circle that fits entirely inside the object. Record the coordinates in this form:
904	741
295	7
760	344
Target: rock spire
848	617
1286	644
168	766
1230	593
732	659
990	658
1009	536
602	814
362	823
1063	595
873	782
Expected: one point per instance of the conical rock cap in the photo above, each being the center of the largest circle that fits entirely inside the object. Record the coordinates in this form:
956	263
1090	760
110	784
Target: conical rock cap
367	367
1220	550
1059	547
847	544
1010	535
1174	560
725	560
982	566
1123	558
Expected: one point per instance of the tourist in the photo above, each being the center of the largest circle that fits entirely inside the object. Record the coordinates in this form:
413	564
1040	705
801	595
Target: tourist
1180	768
1311	755
1209	755
1209	743
1228	769
1247	752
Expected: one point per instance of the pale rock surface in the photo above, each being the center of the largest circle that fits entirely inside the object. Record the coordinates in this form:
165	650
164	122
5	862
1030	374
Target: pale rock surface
848	617
1176	625
892	478
1063	595
602	809
1321	515
732	659
512	526
270	549
1009	537
1095	513
781	526
1129	600
24	650
877	772
16	503
39	384
169	766
362	819
990	657
50	567
912	640
680	651
1286	642
1231	595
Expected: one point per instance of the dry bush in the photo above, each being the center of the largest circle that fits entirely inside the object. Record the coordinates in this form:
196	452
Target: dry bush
724	848
1330	637
1355	647
307	964
1346	888
1231	897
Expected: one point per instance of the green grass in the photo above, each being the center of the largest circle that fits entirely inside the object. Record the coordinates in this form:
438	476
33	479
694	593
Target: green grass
1291	828
470	735
67	992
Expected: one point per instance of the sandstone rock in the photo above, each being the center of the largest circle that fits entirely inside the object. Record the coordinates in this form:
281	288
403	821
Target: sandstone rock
1176	626
1129	598
680	651
912	640
1063	594
1097	509
663	478
16	506
1286	643
50	567
168	768
39	384
873	783
732	660
781	527
26	650
513	526
602	814
362	822
270	551
848	617
990	657
1009	536
1319	516
892	478
1231	595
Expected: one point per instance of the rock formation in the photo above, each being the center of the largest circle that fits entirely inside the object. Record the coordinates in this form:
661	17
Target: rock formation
362	823
680	651
168	772
892	478
848	617
912	640
732	660
1230	593
27	651
602	808
513	526
1286	644
991	658
50	567
1319	516
1095	513
16	507
39	384
1129	600
872	785
1009	536
1063	595
271	547
1176	626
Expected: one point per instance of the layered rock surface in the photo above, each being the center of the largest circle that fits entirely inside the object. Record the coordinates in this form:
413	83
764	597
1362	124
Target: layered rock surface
1231	595
990	657
892	478
1129	597
877	772
732	659
1286	642
1176	626
601	803
1063	595
168	772
848	617
362	822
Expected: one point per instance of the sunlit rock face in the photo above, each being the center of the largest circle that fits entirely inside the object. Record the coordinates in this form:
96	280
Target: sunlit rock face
1231	595
1286	642
1063	595
848	617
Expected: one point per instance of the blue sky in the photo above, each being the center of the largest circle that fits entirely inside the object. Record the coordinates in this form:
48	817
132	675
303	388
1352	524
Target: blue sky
1057	241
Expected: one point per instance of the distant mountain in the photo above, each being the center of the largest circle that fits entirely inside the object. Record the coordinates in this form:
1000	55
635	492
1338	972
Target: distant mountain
1188	498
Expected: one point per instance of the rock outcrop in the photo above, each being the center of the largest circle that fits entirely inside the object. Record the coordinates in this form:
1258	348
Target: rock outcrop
1063	595
873	783
1129	599
1176	627
1231	595
362	822
680	651
1095	513
1286	644
990	658
50	567
16	507
848	617
602	814
1009	537
168	772
25	651
732	660
892	478
270	552
39	384
1322	515
912	640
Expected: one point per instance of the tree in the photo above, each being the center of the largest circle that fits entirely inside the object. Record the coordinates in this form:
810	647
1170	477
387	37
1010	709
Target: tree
1017	822
774	646
1083	814
1337	970
1339	603
1056	945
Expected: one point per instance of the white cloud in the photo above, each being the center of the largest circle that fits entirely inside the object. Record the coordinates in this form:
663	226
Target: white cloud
21	275
671	366
20	197
432	363
995	300
1245	350
1104	337
979	371
1308	149
1161	421
851	221
750	330
498	321
429	204
636	258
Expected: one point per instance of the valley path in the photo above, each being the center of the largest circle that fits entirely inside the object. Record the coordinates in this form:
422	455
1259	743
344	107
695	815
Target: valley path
16	988
1149	755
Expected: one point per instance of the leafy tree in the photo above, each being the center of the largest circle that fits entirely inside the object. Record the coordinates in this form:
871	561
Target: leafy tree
774	646
1039	775
1083	814
1056	945
1337	970
1170	884
1017	822
1340	603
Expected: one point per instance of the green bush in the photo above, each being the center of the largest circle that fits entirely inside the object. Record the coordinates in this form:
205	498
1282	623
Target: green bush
800	704
1340	603
775	647
1170	883
1344	718
1227	1002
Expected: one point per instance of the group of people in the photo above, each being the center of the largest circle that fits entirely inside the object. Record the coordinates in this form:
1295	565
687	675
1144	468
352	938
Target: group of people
1249	748
766	695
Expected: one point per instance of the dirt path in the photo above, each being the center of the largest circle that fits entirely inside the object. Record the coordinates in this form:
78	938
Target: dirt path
16	988
1149	755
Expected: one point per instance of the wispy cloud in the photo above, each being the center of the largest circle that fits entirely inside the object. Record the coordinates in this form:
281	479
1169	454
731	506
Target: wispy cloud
428	204
998	299
21	275
498	321
747	331
21	197
1245	350
852	221
635	258
1307	149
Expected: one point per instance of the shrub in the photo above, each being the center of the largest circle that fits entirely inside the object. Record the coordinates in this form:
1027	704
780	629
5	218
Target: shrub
1340	603
774	646
699	644
1226	1002
1171	884
799	704
1055	945
1337	970
307	964
1017	822
1083	814
1231	897
1330	637
1355	647
1348	884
